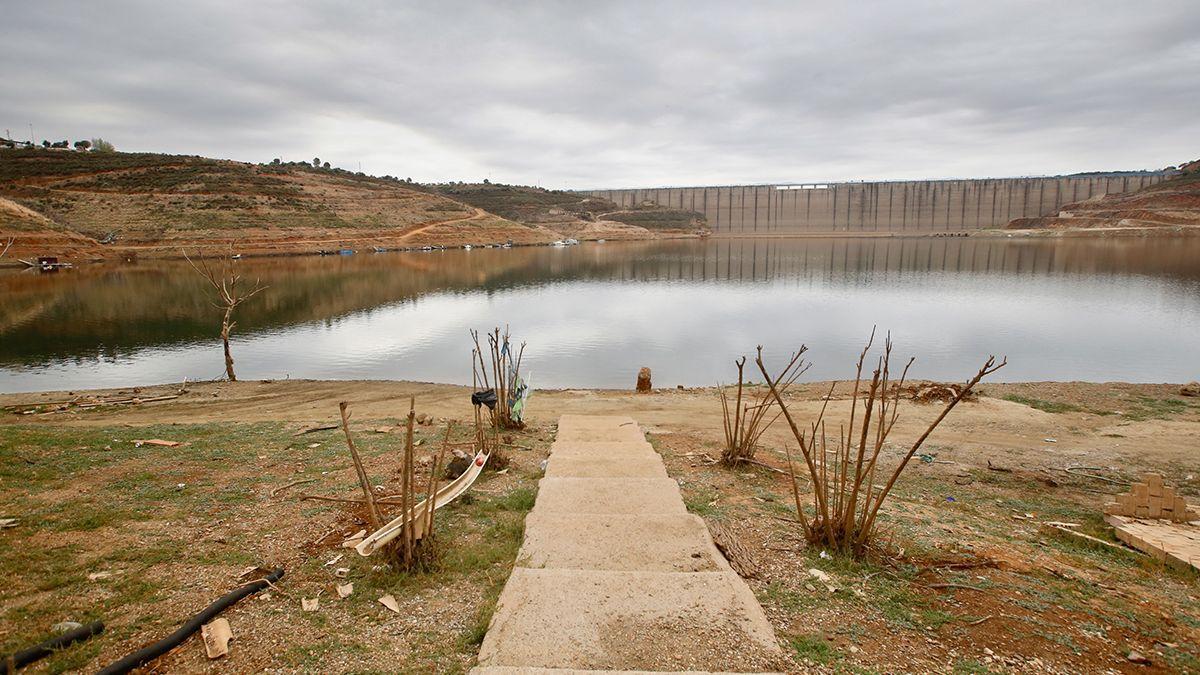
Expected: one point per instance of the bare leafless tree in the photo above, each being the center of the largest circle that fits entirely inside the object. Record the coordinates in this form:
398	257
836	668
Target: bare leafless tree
225	283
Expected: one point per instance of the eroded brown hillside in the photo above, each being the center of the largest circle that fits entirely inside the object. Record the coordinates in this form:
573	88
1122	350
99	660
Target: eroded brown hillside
117	204
1172	204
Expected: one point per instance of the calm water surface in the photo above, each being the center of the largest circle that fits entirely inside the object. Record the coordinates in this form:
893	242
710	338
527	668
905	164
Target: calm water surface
593	314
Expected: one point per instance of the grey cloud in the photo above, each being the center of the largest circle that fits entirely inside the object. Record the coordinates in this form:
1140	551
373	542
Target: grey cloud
617	94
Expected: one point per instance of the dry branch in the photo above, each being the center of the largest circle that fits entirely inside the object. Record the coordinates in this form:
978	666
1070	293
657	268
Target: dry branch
372	509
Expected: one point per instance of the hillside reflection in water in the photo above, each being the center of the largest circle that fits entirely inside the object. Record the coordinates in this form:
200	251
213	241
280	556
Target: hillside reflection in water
593	314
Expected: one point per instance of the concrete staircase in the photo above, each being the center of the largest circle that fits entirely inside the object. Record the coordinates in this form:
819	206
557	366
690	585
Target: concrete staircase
615	575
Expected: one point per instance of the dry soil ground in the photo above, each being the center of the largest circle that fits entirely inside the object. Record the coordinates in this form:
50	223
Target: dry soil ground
169	529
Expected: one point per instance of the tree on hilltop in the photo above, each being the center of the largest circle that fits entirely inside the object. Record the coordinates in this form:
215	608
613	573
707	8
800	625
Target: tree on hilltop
101	145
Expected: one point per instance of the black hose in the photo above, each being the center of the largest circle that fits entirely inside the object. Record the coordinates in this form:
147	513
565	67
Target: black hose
151	652
43	649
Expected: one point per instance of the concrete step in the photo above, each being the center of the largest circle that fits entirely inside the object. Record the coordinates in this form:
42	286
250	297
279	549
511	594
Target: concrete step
603	448
652	621
583	434
614	496
507	670
570	422
648	543
605	466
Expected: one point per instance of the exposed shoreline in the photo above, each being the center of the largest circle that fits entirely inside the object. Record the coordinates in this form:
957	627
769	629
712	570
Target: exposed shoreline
157	531
256	393
172	252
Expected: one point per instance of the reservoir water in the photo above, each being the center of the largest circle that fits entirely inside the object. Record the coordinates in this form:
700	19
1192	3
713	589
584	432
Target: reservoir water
1059	309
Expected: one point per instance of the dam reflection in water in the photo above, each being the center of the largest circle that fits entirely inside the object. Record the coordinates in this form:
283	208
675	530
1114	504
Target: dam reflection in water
593	314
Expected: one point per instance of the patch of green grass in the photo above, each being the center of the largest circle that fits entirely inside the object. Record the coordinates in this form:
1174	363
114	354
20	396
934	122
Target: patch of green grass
777	595
1051	406
814	648
936	618
312	656
702	503
970	667
1150	408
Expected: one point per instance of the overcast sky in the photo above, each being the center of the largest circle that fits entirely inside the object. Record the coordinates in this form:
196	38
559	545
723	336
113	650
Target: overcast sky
600	94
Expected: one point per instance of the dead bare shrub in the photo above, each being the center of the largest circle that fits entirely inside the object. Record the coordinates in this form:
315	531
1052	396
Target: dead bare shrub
746	416
503	393
415	549
845	498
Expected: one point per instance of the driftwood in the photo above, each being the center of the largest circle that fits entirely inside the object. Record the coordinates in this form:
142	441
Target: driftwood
295	482
1079	471
952	585
83	404
734	551
323	427
1059	530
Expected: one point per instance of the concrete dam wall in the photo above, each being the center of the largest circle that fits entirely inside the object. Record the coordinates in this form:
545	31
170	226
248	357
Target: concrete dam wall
896	206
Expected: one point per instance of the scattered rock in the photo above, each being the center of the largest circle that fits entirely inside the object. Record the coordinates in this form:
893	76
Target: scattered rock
643	381
1137	657
823	578
456	466
389	601
216	635
1190	389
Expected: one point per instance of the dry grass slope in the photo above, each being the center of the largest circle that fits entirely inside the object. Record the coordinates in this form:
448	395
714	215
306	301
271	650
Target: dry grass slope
154	203
575	215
